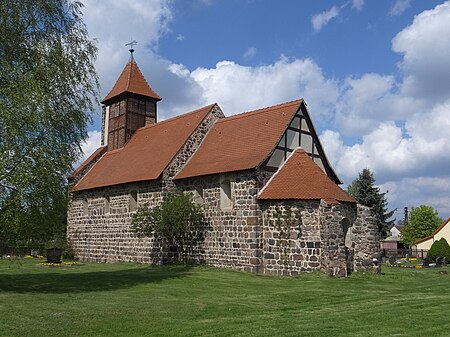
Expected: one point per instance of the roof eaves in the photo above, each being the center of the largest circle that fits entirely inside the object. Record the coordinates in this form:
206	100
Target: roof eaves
87	161
437	230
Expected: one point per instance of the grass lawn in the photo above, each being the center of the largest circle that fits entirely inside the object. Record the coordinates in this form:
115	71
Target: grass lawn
139	300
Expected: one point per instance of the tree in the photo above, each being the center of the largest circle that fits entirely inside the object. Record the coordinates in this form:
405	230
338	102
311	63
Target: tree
364	191
423	220
48	88
440	248
178	221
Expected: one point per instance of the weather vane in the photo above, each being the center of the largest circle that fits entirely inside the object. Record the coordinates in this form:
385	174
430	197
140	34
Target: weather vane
131	44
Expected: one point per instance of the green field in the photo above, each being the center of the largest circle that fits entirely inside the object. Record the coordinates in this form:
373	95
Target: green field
138	300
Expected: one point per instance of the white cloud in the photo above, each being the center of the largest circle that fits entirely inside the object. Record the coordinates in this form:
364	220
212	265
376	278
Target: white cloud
320	20
250	52
238	88
358	4
413	192
88	147
399	7
384	114
106	21
180	37
425	46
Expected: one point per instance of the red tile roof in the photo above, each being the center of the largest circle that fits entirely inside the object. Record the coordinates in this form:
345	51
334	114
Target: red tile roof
434	232
131	80
86	163
240	142
300	178
147	153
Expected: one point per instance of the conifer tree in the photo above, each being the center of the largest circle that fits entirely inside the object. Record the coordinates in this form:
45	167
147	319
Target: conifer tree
363	189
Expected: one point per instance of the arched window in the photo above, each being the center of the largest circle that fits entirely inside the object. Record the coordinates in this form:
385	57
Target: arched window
347	232
225	194
197	195
133	201
85	206
106	204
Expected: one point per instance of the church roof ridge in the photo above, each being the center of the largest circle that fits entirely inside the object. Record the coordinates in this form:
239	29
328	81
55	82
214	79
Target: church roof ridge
168	120
131	80
261	110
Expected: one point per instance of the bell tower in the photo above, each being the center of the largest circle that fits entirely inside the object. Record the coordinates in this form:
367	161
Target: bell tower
130	104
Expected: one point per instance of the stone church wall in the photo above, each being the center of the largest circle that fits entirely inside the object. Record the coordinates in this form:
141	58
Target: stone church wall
291	237
234	237
267	237
99	220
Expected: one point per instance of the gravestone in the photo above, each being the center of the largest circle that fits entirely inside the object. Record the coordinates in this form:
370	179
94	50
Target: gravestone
439	261
392	260
426	262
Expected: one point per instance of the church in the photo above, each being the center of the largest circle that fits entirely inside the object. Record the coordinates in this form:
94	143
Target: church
270	197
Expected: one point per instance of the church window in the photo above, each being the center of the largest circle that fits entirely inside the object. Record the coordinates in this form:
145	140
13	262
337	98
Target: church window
107	208
85	206
117	110
347	232
225	194
133	201
198	195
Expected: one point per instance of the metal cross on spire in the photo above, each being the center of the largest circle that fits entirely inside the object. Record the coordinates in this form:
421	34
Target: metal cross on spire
131	44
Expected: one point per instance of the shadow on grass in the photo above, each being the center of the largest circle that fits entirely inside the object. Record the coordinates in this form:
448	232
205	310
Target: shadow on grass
88	281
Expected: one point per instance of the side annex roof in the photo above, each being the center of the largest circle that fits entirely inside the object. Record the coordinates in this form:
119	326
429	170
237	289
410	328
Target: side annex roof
146	155
300	178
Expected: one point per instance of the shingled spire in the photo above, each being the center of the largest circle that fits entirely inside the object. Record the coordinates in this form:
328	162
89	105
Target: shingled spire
129	105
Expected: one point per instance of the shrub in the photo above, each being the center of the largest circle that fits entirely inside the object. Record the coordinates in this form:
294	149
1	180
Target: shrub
178	221
439	248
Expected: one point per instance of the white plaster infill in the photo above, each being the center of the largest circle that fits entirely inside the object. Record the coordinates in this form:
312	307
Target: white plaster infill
279	169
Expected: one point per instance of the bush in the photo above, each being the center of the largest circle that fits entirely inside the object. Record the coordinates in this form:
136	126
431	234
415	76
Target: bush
439	248
178	221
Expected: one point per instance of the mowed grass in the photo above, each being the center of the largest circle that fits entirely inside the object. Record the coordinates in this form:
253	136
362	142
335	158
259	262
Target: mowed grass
140	300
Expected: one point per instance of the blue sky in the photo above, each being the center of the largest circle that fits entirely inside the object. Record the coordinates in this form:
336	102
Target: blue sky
375	75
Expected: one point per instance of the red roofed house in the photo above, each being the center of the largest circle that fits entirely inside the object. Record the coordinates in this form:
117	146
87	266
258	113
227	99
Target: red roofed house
270	196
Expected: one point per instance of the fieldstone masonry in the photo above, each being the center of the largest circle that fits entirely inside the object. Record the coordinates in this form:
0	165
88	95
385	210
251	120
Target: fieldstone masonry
285	237
279	238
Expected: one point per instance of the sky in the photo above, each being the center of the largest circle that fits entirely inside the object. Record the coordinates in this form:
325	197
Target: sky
375	75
